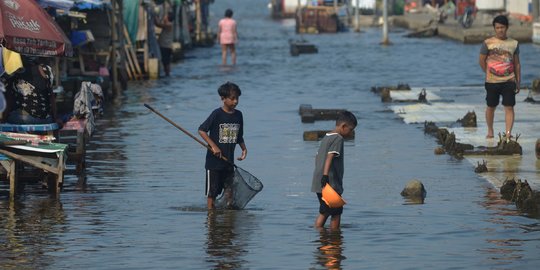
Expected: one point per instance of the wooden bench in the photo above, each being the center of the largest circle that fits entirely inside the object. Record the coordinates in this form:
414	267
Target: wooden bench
19	148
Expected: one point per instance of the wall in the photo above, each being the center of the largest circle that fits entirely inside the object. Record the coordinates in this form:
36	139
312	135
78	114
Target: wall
518	6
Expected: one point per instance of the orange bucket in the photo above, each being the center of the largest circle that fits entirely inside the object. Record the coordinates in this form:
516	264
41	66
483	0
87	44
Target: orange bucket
331	197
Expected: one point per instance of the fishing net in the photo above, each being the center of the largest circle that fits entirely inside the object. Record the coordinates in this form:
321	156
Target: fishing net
243	188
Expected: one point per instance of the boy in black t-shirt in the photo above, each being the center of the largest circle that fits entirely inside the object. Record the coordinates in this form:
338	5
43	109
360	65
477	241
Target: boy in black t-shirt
222	130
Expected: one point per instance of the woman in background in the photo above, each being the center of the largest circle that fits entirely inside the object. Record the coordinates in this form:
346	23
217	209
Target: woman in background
227	37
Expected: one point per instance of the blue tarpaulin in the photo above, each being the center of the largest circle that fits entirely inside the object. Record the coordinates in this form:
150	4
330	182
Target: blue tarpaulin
69	4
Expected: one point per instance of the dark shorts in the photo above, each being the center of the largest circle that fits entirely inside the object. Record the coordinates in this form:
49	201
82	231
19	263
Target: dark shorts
495	90
217	180
165	55
324	209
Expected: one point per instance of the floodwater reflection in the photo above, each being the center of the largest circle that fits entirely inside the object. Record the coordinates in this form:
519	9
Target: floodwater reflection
228	233
504	250
27	232
330	249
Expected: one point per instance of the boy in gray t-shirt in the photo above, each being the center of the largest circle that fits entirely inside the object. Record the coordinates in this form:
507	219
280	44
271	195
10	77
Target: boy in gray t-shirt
329	168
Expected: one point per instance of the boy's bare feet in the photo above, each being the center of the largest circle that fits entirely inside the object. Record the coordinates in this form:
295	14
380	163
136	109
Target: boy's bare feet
489	136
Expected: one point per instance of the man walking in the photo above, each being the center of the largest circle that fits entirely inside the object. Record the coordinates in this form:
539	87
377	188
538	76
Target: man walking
499	59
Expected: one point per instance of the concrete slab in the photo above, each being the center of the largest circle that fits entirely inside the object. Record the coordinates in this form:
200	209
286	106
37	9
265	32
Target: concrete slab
445	114
478	32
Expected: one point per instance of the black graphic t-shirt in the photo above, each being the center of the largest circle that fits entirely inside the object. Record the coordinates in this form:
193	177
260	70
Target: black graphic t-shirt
226	130
32	90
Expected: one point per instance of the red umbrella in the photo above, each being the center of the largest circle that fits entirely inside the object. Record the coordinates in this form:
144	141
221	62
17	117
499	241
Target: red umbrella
26	28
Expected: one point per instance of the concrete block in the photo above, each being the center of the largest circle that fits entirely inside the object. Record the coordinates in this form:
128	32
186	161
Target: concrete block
315	135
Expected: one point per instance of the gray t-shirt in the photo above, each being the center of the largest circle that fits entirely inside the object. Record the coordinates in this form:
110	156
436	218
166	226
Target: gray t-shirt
331	143
166	37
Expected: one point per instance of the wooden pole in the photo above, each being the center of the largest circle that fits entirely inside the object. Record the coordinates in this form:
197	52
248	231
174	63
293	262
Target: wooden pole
114	36
385	40
357	17
299	15
198	21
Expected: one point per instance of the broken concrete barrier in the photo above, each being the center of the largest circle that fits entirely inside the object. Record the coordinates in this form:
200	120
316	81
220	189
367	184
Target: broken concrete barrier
505	146
481	167
302	47
315	135
469	120
310	115
400	86
521	193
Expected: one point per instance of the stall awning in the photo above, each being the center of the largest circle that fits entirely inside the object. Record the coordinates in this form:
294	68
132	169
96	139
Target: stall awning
68	4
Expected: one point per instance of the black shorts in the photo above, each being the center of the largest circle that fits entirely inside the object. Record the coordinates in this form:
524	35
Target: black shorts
495	90
165	55
324	209
217	180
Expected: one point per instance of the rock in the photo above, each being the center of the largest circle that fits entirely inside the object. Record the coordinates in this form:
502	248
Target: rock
439	151
536	85
415	191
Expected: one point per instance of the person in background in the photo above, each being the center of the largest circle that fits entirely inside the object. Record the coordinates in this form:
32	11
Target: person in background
205	12
29	94
227	36
164	20
499	59
222	130
329	168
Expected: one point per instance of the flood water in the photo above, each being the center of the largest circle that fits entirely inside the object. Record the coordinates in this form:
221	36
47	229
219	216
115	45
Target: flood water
144	205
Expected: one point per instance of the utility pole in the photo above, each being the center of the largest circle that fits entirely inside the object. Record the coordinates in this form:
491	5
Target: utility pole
385	40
